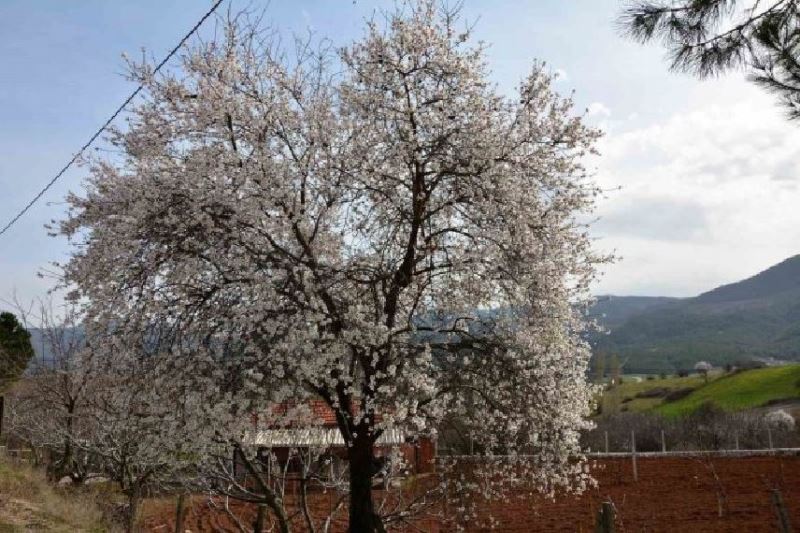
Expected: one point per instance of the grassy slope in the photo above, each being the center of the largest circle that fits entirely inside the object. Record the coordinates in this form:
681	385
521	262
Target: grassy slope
743	390
29	503
612	399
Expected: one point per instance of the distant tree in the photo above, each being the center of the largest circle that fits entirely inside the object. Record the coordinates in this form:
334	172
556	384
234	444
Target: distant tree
615	370
46	411
598	367
134	433
703	367
780	419
15	349
707	37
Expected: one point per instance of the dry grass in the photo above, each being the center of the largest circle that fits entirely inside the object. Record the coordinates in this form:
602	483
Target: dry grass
28	502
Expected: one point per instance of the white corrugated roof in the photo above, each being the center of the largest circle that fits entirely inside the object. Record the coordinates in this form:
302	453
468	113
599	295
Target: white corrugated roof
317	437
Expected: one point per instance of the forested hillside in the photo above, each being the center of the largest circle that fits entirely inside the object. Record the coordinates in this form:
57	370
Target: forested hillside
756	317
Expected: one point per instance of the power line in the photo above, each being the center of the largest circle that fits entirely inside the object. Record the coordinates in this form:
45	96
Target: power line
109	121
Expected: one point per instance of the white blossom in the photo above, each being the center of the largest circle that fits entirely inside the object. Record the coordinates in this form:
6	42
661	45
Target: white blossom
379	228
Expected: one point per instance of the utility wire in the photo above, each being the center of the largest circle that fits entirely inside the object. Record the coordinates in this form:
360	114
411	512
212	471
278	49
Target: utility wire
109	121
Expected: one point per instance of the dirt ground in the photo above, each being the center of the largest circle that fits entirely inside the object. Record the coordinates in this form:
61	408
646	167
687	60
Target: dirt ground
672	495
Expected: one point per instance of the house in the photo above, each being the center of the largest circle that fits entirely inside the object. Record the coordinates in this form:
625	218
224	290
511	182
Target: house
324	436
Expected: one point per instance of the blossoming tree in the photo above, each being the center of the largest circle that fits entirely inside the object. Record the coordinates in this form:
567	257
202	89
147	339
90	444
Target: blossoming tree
378	228
46	410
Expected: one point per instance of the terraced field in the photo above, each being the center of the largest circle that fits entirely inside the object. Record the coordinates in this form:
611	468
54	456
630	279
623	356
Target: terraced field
744	390
675	396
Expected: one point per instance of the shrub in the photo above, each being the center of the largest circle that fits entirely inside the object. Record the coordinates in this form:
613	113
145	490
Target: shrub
709	428
748	364
677	394
62	508
781	420
657	392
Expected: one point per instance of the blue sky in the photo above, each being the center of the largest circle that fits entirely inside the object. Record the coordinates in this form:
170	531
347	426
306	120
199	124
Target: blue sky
708	170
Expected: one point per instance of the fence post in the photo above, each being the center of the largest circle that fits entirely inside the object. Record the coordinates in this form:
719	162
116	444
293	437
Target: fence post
444	500
769	436
606	436
780	510
261	518
663	442
633	456
605	519
736	439
180	513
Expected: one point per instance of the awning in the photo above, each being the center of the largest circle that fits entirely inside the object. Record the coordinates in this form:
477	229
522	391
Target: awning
316	437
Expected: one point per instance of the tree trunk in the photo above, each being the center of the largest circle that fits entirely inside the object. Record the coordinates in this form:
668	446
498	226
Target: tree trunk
362	509
180	513
134	499
261	519
272	500
304	503
67	466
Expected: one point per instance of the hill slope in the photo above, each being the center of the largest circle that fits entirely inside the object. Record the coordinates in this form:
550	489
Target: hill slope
743	390
757	317
31	503
613	311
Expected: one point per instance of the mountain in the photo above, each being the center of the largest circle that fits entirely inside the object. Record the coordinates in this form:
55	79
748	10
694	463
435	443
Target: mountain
42	346
613	311
755	318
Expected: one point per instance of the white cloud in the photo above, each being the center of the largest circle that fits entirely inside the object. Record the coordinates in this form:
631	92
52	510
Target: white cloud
561	74
598	110
708	196
654	218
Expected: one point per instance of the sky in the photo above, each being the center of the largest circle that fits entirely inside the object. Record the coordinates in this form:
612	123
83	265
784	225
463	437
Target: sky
701	177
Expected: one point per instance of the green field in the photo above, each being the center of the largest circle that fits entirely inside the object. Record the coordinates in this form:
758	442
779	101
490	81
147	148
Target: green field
623	397
743	390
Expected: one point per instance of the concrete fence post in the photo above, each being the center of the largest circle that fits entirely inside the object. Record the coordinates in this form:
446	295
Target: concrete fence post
605	433
633	456
605	518
780	510
663	442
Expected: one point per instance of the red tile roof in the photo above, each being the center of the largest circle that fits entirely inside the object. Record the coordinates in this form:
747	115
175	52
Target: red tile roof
322	413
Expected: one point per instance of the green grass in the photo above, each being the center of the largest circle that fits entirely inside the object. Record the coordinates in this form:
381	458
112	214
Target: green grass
743	390
612	399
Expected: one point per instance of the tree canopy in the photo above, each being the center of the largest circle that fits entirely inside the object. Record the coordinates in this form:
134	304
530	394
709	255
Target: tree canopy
707	37
281	221
15	349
